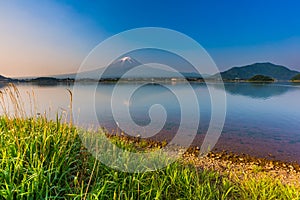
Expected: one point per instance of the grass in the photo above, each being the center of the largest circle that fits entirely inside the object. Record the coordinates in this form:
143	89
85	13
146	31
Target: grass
43	159
267	188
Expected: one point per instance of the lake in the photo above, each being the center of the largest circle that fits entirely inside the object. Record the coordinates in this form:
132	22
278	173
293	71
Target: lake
261	119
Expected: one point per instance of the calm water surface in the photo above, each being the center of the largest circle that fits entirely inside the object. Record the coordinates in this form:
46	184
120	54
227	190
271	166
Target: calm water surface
261	120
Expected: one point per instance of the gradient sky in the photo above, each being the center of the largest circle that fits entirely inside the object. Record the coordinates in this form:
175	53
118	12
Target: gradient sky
53	37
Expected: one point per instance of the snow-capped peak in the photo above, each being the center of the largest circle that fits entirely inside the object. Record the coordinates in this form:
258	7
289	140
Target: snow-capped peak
125	61
126	58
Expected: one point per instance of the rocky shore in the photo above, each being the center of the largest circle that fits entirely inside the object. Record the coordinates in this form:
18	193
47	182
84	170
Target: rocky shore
240	167
236	167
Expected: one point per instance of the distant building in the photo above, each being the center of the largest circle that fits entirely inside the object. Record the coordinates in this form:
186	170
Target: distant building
237	79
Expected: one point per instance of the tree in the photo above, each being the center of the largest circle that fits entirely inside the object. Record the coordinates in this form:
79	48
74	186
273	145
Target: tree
296	78
261	78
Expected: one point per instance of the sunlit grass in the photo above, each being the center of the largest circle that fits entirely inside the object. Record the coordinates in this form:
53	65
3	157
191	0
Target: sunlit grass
45	159
266	188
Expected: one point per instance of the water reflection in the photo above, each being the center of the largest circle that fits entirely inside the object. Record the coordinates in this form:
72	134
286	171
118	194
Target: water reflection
257	90
2	85
148	95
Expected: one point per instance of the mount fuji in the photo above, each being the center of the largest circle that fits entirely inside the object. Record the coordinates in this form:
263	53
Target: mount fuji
122	65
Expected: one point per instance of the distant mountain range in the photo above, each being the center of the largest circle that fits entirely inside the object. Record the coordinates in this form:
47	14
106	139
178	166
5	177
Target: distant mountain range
118	68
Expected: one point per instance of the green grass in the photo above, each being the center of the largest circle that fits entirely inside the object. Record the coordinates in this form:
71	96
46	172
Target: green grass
267	188
42	159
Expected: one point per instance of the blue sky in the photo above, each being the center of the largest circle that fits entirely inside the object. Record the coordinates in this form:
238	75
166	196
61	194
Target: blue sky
50	37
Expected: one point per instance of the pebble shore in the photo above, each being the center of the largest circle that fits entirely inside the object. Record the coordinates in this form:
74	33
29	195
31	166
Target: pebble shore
236	167
241	167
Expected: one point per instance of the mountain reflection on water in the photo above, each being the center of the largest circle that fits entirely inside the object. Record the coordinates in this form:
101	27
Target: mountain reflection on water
258	90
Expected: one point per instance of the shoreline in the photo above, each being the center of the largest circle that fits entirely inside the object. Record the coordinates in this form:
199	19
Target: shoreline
235	166
242	168
225	146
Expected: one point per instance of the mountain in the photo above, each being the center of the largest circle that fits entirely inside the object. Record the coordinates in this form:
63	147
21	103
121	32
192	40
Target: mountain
5	79
119	67
122	65
266	69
